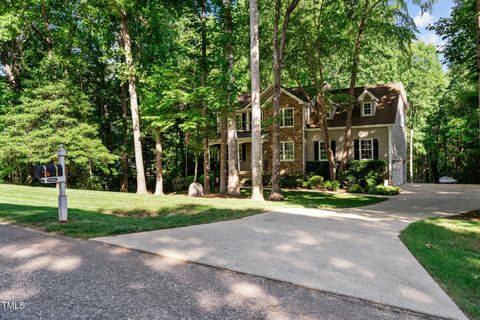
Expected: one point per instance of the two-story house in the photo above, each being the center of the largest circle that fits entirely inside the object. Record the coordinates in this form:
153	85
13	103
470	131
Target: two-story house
378	127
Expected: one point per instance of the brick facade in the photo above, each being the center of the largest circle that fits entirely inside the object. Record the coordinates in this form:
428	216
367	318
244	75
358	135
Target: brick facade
294	134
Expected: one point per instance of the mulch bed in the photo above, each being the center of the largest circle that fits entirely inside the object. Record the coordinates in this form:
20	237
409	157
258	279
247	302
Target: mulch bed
468	216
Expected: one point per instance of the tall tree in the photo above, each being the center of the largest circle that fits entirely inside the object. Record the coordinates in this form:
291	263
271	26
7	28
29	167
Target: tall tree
233	187
203	83
257	162
132	89
347	138
279	41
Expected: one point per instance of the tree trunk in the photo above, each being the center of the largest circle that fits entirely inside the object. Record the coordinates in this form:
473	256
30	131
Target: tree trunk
159	162
132	88
12	81
124	148
46	24
276	194
278	50
195	173
257	188
233	188
206	166
223	154
233	185
326	136
347	140
478	60
206	150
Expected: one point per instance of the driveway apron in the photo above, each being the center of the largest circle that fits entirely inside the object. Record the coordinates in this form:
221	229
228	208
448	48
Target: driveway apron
354	252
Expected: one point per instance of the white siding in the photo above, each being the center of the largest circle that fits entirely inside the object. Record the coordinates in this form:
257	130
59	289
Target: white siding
399	146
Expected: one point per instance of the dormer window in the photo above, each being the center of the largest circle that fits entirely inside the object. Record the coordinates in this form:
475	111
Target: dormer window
367	109
330	113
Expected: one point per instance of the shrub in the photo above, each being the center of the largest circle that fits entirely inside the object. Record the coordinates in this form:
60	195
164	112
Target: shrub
366	173
382	190
178	183
289	180
212	180
315	181
306	184
189	180
299	183
335	185
317	168
355	188
331	185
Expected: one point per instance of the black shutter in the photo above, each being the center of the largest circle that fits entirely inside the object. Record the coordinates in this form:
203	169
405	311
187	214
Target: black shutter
356	149
333	145
244	152
244	121
315	150
375	149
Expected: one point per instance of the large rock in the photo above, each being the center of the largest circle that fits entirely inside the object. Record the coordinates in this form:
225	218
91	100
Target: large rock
195	190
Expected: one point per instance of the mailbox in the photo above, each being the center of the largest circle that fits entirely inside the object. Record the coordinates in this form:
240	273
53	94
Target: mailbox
51	173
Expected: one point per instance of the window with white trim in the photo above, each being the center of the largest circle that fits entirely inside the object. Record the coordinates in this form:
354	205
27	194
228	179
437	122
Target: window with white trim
366	149
367	109
329	112
239	120
287	117
287	151
322	151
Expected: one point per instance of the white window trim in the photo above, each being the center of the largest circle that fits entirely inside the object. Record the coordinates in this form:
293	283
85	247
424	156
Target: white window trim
332	113
320	151
372	104
282	111
360	149
282	150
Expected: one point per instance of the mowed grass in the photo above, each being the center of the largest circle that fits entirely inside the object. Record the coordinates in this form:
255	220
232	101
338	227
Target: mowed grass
450	251
98	213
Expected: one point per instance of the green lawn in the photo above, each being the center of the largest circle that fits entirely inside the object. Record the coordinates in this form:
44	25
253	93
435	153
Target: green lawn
97	213
450	251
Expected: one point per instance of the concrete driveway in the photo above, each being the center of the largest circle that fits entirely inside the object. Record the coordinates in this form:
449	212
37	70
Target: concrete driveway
353	252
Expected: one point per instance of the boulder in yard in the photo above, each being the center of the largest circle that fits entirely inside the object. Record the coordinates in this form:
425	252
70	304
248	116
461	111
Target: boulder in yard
446	179
195	190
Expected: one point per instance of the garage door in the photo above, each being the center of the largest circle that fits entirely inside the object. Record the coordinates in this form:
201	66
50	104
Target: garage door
397	172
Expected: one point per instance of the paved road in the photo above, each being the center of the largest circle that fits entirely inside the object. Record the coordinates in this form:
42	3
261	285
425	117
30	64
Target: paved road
62	278
354	252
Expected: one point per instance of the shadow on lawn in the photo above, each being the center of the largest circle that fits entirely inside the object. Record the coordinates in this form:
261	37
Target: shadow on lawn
449	249
88	224
313	199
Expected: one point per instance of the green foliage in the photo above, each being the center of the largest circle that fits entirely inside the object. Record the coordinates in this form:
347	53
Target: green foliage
384	190
289	181
212	180
315	181
355	188
178	184
53	114
333	185
317	168
363	173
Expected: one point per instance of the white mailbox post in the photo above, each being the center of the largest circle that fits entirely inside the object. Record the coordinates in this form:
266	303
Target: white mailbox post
62	197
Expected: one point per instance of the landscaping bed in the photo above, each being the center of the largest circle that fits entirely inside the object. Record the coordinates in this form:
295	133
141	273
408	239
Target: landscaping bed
449	249
98	213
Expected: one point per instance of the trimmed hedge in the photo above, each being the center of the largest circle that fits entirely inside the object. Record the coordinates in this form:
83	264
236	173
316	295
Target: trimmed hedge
382	190
365	173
